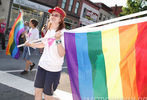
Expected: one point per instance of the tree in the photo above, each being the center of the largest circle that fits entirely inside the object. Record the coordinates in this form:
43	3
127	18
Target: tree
134	6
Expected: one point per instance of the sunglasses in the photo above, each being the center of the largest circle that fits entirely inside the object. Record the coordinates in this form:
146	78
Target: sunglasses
55	15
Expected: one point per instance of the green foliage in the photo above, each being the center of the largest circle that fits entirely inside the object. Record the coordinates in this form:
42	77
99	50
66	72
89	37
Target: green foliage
134	6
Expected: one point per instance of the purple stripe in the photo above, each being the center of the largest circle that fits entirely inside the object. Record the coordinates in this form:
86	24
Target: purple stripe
72	63
19	33
16	53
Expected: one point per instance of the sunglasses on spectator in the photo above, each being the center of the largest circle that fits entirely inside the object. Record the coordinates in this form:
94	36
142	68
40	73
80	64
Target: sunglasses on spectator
55	15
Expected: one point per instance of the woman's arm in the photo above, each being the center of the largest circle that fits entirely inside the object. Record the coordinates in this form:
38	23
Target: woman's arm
61	50
35	45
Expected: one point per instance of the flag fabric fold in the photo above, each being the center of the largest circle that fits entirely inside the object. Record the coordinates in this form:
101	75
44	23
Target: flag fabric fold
14	35
109	64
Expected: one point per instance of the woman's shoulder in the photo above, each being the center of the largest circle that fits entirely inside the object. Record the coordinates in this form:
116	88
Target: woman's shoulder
36	29
63	30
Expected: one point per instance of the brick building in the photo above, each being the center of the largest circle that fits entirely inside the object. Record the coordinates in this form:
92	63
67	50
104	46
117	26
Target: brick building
116	10
73	11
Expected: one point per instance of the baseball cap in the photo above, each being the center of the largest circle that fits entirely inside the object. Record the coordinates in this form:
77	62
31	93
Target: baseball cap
59	10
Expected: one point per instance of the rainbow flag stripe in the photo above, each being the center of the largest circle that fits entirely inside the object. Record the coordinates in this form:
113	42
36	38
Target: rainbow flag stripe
110	64
15	32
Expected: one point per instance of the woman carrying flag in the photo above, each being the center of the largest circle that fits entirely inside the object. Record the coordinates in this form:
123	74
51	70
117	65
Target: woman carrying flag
50	64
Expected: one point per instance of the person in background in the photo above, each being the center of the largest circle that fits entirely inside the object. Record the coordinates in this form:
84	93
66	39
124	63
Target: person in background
2	31
32	35
43	32
22	37
50	64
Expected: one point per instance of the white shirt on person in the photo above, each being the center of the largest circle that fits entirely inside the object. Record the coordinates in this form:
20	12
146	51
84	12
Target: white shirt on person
50	59
33	34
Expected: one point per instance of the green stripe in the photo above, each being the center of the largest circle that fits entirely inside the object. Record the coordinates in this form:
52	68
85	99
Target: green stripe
98	64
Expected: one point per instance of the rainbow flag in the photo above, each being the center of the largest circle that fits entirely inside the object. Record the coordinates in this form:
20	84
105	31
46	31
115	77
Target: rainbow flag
109	64
13	41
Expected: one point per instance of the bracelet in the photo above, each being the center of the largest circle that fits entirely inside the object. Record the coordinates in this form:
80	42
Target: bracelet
58	41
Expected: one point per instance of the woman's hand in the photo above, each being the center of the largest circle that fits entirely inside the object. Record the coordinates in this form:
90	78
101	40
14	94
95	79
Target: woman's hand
27	44
58	35
60	48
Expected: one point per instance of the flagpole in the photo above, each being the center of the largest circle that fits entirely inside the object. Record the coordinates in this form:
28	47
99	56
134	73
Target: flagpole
32	42
29	51
112	25
112	20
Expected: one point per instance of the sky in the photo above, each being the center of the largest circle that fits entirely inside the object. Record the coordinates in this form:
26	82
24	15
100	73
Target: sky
111	3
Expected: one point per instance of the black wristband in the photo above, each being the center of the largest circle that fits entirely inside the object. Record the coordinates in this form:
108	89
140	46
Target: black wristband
58	41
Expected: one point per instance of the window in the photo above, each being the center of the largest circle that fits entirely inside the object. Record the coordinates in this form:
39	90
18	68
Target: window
84	12
70	5
100	16
0	2
77	7
104	17
63	3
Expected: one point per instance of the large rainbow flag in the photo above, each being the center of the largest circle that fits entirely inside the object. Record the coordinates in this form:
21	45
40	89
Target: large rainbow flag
13	41
109	64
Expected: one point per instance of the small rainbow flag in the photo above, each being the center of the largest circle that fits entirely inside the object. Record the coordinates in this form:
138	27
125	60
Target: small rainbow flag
109	64
13	41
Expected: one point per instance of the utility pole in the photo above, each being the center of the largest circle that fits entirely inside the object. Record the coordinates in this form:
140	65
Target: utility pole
8	18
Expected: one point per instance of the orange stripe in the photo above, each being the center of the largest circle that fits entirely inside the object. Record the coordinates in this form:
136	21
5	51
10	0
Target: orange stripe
128	35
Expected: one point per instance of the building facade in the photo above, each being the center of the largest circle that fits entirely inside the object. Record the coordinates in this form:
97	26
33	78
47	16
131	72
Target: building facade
11	8
89	13
30	10
4	8
79	12
94	13
106	12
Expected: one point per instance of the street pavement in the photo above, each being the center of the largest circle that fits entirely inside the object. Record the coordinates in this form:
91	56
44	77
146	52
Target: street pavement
14	86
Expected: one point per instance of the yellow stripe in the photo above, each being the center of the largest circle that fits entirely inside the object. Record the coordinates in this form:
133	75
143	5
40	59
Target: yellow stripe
111	50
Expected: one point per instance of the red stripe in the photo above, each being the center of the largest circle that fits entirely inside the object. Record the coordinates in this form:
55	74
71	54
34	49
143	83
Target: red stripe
141	59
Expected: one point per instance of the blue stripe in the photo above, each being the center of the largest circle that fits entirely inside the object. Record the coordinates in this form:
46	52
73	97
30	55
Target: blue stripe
84	66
